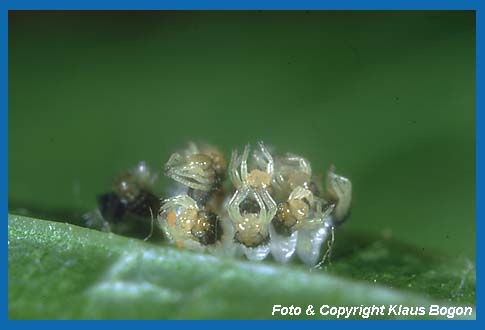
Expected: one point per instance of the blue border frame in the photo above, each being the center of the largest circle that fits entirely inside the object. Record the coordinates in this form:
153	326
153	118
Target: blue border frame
479	122
6	5
241	4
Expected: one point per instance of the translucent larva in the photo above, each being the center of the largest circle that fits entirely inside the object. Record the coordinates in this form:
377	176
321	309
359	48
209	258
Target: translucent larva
270	204
130	207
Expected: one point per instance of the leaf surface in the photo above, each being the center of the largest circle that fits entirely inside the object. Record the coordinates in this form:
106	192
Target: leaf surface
62	271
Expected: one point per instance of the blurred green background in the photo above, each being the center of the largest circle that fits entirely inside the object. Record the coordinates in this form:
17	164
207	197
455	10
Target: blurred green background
388	97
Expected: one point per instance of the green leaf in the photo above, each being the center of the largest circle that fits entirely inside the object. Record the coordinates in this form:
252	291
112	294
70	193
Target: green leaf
63	271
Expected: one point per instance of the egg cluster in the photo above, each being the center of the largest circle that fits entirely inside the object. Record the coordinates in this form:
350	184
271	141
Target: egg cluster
258	204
